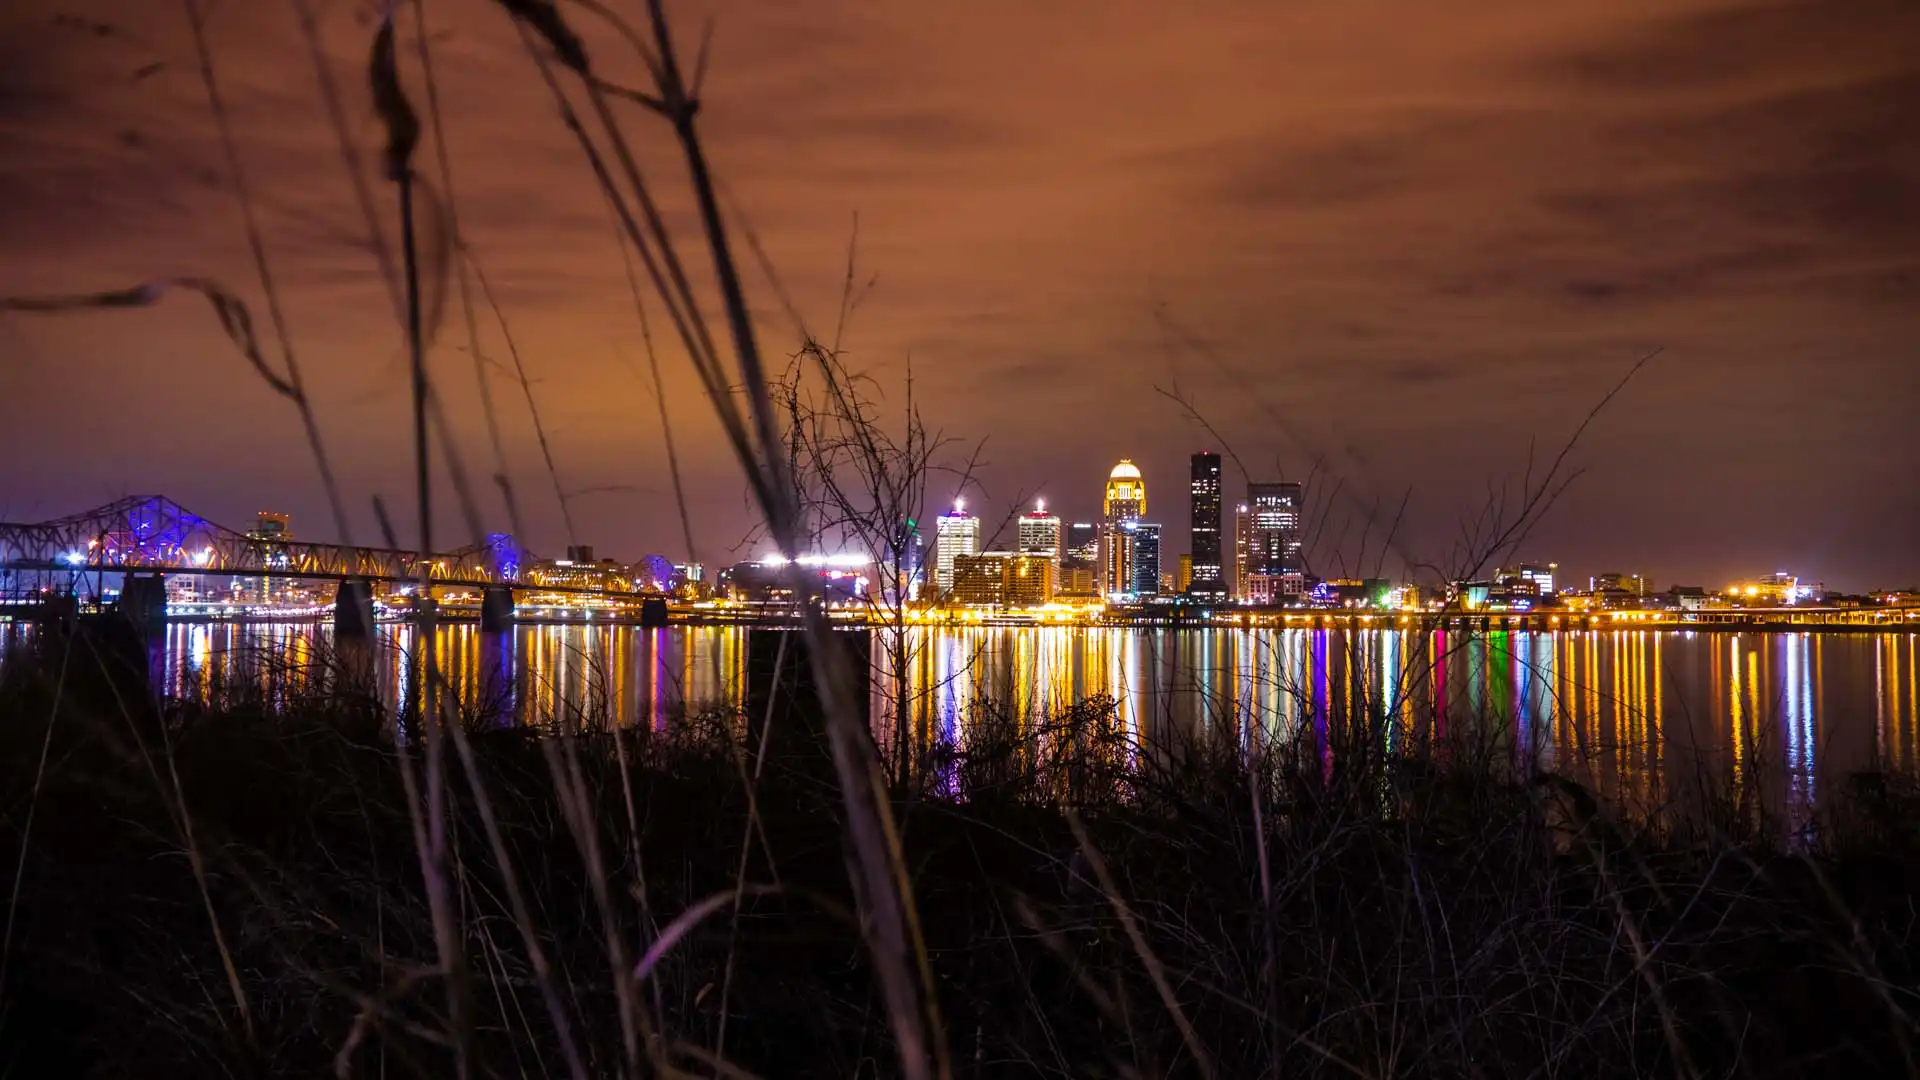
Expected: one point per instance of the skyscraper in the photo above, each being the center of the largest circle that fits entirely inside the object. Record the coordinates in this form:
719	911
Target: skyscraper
1242	549
1141	539
956	533
1204	536
1275	547
1083	541
1125	500
1040	534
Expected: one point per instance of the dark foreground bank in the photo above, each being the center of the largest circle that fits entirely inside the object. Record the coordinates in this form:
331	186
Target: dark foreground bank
236	890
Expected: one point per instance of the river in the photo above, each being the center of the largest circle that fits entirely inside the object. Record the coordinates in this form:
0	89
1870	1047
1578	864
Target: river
1653	717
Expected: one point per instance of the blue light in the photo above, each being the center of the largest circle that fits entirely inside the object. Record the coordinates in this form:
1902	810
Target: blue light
75	558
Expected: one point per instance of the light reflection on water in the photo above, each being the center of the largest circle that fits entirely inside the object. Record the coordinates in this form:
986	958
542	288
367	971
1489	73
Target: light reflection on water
1645	717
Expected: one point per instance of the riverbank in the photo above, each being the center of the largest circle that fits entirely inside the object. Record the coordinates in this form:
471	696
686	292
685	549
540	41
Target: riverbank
235	889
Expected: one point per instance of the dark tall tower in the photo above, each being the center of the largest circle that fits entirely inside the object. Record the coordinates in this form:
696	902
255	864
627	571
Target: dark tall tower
1276	528
1204	541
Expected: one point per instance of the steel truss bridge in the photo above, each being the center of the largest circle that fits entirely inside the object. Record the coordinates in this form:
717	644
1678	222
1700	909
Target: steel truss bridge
151	534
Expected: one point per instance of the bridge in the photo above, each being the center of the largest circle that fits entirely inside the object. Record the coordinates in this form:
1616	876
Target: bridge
154	534
145	537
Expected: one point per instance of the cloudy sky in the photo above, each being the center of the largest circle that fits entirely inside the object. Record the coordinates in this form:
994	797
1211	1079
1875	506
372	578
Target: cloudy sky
1405	241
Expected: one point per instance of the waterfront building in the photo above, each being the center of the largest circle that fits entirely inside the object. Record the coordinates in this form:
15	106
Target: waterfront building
1142	544
1528	579
1040	533
1275	545
1206	577
1002	579
1282	588
980	579
1125	500
1079	580
1632	584
1030	580
1183	578
1242	550
271	531
1083	542
957	533
1775	590
1126	494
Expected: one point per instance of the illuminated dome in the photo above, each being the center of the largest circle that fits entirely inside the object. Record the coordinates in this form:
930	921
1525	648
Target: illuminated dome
1126	497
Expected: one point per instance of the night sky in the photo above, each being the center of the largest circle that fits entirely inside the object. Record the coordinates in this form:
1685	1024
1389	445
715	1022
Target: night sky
1407	239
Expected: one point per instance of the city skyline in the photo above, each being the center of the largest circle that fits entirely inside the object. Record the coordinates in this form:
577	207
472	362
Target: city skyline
1404	293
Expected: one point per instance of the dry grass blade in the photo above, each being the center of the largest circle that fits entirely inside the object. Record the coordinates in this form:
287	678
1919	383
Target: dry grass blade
1155	969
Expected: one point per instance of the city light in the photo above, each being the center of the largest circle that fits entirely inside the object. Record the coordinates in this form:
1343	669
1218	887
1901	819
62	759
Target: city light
74	558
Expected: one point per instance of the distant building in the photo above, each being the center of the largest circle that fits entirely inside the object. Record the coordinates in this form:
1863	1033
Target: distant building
1040	534
581	571
1779	589
1126	494
1242	550
1690	598
270	534
1029	581
1143	558
1125	500
1003	579
1183	580
1528	579
1079	580
1275	546
1632	584
774	580
903	569
1083	541
980	580
1353	593
957	533
1206	576
1275	588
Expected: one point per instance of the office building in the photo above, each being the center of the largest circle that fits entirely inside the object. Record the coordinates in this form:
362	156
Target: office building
1527	579
1125	500
1126	495
1040	534
979	580
270	531
1083	541
1003	579
957	533
1079	580
1274	547
1183	581
1030	580
1613	581
1242	550
902	569
1141	541
1206	578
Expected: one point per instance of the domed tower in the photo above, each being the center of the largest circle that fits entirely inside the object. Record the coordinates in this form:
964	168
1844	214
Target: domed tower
1126	494
1125	504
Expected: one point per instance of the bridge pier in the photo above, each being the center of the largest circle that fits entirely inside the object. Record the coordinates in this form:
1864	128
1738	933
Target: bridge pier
653	613
496	609
143	601
353	611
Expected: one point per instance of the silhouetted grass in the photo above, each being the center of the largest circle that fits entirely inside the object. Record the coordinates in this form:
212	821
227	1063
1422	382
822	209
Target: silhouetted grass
1093	905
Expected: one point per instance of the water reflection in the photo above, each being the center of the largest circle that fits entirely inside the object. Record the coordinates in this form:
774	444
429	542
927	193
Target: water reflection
1649	718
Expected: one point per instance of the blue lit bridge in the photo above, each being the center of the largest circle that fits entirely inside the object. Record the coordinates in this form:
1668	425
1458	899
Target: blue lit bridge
146	537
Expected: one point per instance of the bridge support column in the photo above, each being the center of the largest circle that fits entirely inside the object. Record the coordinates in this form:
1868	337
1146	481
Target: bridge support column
653	613
143	600
353	611
496	609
